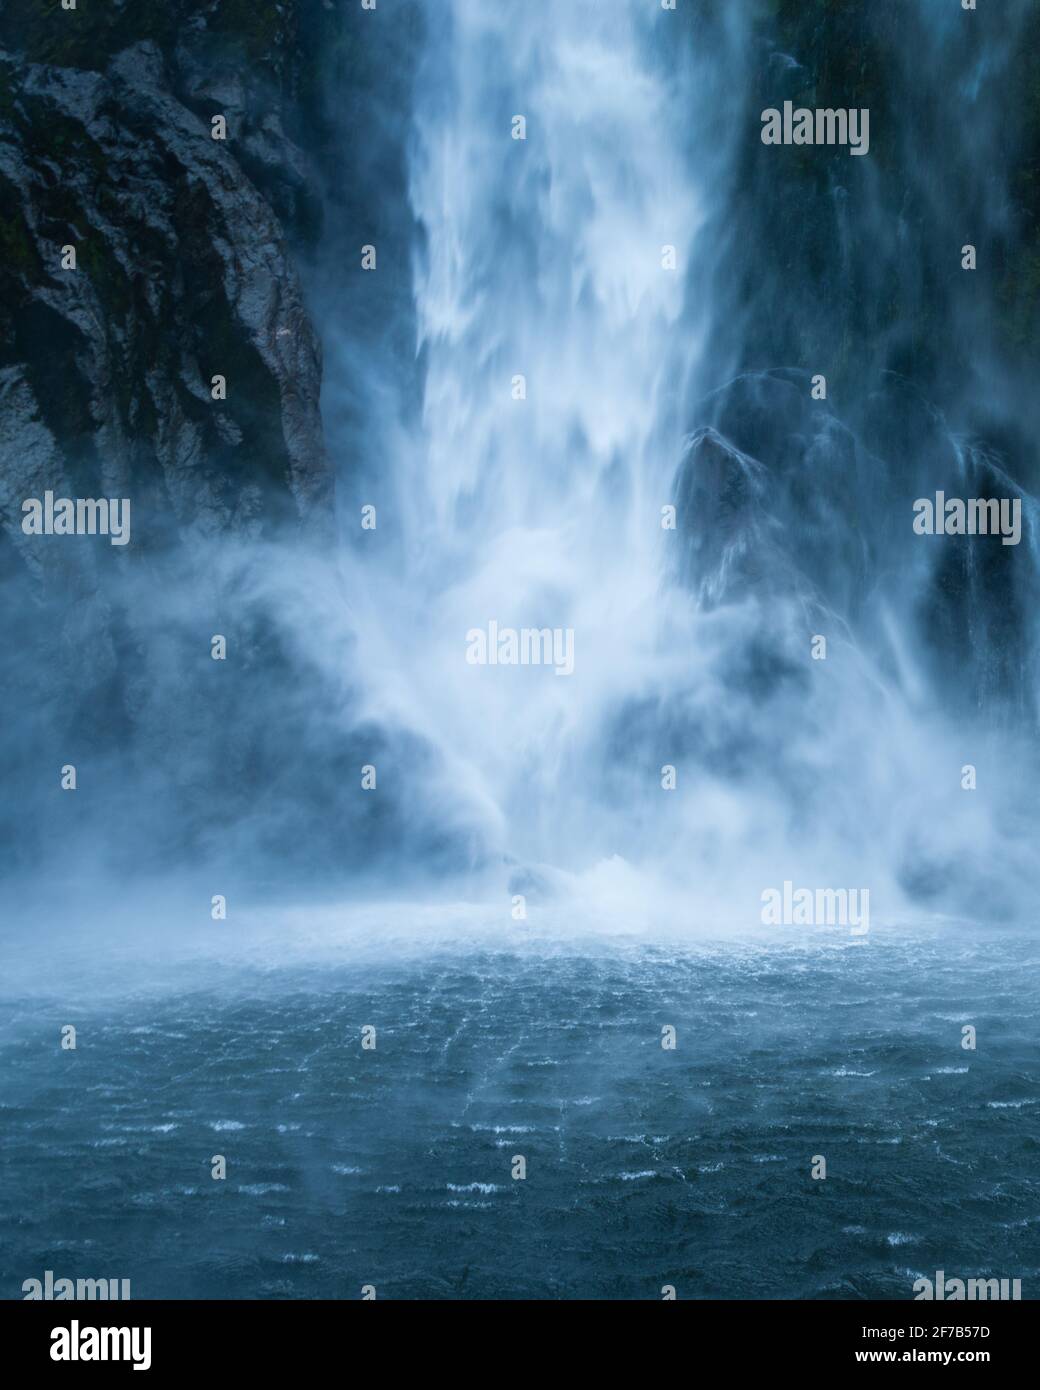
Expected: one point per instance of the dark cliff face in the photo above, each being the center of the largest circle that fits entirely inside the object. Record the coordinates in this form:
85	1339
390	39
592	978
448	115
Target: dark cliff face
874	243
851	267
196	258
183	272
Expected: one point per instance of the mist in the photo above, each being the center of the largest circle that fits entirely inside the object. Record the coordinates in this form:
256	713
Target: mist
578	398
539	802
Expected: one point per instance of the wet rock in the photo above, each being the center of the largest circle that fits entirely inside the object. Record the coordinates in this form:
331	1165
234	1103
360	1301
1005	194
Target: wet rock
182	275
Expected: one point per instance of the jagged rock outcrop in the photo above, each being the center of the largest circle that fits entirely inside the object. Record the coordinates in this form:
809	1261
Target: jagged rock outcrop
779	502
182	274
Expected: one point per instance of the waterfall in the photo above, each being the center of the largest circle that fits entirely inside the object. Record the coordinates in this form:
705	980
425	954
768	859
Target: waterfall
547	787
551	283
579	272
625	612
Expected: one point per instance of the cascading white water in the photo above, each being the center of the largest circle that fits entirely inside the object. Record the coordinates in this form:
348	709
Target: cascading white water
561	258
550	259
544	258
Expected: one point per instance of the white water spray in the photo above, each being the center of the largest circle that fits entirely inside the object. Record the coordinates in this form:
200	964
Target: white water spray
562	288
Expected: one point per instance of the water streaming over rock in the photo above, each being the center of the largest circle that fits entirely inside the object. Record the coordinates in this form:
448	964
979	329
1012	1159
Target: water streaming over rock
569	386
566	336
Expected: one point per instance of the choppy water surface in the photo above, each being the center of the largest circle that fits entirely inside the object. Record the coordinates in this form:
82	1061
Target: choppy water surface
644	1166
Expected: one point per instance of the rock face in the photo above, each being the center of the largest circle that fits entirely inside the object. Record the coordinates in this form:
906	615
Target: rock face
853	269
183	273
873	244
789	529
237	770
778	501
726	537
